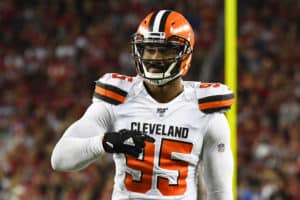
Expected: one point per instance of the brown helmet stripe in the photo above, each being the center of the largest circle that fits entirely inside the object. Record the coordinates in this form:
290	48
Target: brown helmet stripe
163	21
151	22
158	21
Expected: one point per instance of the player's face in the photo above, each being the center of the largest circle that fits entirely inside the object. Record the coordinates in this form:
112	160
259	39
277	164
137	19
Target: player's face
157	52
159	57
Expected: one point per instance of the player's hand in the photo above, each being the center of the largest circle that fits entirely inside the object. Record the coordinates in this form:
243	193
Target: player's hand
125	141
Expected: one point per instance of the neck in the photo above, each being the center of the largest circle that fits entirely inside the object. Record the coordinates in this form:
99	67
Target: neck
165	93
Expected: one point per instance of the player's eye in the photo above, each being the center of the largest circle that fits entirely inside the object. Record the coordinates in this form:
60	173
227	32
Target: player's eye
150	50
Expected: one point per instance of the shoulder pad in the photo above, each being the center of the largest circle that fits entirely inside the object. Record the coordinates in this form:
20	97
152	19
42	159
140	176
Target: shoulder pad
113	88
214	97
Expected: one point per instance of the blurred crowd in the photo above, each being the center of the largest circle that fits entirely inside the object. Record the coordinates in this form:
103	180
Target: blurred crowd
269	100
51	52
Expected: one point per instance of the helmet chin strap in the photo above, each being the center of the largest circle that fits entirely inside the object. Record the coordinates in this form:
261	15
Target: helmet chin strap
161	82
159	75
159	79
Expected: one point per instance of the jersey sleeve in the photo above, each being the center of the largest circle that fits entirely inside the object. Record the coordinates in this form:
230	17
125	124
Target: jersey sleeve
214	97
81	143
112	88
217	159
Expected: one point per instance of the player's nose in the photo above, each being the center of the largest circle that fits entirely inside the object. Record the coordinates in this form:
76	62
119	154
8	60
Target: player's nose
156	54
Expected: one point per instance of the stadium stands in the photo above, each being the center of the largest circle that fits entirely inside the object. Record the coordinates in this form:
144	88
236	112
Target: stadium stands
52	51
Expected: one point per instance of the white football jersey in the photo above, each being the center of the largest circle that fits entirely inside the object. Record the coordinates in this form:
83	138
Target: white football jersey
167	168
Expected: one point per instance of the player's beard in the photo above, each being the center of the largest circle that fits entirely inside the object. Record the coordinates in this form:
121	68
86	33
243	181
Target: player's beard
157	66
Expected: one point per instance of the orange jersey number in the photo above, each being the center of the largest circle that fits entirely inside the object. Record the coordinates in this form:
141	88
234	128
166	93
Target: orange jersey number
145	166
206	85
122	77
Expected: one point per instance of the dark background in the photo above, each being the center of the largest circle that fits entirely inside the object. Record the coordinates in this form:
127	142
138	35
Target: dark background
51	52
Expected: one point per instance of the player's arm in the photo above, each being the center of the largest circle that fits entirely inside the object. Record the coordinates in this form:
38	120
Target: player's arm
81	143
217	159
86	139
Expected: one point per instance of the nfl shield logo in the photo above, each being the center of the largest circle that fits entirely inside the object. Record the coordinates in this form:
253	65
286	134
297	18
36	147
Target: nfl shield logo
221	147
161	111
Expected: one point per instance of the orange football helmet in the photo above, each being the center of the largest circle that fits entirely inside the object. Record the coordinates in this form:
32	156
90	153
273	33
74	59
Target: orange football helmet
163	29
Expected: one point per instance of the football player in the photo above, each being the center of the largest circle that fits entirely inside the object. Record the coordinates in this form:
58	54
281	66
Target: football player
157	126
